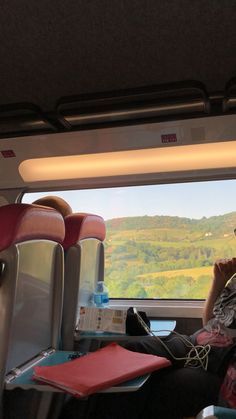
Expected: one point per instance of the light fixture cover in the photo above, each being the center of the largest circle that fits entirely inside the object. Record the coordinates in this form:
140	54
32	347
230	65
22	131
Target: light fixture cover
153	160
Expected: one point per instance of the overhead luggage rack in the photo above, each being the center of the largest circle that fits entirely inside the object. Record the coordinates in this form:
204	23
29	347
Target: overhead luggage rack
229	101
23	119
132	105
150	104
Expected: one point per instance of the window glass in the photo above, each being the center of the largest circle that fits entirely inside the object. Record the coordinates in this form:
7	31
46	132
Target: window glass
162	240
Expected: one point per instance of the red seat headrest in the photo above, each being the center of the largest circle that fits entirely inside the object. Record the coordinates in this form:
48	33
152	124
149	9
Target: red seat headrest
81	226
22	222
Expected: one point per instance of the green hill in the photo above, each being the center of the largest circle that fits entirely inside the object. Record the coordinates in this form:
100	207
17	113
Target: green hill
141	253
222	224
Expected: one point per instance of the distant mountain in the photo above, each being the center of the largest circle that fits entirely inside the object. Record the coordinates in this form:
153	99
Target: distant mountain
217	225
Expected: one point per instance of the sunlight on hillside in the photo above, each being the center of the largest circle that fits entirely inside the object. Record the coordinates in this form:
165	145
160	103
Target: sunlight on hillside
173	262
162	240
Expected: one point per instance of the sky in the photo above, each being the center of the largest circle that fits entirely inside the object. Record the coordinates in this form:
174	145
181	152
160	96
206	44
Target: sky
191	200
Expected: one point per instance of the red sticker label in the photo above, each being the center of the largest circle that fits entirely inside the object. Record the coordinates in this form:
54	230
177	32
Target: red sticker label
168	138
8	153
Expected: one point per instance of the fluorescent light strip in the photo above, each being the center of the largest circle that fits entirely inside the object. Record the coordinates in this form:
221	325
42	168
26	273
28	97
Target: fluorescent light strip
153	160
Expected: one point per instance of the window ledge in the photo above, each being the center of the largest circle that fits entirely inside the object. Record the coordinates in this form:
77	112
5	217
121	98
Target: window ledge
163	308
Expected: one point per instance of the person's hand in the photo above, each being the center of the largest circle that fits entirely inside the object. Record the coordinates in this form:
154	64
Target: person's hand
223	270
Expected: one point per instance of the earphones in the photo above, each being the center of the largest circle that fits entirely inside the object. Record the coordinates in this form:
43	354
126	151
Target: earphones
197	356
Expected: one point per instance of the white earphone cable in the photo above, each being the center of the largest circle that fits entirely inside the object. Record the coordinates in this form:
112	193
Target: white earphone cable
195	358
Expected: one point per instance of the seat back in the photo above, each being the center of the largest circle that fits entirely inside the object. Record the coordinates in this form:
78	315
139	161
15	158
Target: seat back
31	283
84	266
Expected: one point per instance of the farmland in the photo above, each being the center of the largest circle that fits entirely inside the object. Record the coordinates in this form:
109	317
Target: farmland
164	256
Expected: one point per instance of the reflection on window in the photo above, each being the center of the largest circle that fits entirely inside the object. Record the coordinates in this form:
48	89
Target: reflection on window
162	240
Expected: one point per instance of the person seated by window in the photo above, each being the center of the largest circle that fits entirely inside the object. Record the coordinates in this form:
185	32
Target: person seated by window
55	202
187	387
219	321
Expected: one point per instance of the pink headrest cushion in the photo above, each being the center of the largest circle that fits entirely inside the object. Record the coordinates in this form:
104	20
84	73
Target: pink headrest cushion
22	222
81	226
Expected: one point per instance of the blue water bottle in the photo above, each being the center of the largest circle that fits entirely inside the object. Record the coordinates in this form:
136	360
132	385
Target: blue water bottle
101	297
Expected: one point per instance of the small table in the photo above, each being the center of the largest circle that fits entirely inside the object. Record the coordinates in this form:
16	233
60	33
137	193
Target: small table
25	380
90	341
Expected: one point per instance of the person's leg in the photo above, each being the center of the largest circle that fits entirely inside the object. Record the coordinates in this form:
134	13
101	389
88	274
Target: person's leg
181	392
179	346
168	394
129	405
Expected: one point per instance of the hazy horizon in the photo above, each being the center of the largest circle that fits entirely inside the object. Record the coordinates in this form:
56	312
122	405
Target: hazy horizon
168	215
193	200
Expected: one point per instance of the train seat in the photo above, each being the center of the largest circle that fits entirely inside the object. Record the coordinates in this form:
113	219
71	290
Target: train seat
84	266
31	283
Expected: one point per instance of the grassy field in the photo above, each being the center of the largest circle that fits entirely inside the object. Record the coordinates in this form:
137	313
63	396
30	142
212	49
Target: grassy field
193	272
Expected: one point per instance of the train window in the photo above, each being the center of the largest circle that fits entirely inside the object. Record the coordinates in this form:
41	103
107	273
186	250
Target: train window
161	240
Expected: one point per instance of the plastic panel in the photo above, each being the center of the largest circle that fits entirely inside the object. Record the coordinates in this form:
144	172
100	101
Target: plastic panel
32	328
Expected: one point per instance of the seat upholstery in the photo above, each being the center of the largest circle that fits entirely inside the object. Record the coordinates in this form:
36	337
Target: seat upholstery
84	266
80	226
21	222
31	283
